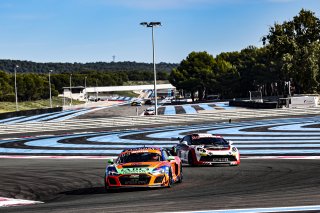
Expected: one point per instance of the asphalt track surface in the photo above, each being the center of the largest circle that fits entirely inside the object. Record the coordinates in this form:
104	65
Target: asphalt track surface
76	185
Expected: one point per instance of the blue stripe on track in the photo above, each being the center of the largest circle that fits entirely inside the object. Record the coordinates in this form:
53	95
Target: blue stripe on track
26	119
224	105
11	119
189	109
55	115
170	110
206	107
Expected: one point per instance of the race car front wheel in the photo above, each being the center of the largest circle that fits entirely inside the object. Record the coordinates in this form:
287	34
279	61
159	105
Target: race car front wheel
190	159
170	181
107	187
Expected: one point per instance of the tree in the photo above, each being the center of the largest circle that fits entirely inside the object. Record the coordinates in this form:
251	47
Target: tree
195	73
6	90
294	51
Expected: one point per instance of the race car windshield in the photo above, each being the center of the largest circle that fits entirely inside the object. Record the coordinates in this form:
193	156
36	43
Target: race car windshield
209	141
140	157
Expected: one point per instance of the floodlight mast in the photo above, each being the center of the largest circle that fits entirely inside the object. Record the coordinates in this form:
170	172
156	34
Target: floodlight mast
152	25
15	86
50	71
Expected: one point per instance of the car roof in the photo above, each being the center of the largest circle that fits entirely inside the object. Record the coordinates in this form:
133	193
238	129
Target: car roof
141	150
204	135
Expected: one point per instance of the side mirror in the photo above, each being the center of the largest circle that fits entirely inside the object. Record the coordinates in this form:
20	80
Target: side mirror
178	138
170	158
184	143
110	161
230	142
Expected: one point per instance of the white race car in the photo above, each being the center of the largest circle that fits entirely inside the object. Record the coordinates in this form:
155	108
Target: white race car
206	149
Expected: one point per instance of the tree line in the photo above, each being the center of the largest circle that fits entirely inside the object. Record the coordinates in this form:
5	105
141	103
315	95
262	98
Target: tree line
126	66
289	60
290	57
32	86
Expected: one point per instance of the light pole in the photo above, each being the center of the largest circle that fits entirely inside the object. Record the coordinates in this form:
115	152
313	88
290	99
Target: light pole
50	89
85	89
96	90
152	25
70	91
15	86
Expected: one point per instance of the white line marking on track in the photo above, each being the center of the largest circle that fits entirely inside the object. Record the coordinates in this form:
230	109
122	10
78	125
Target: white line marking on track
7	202
260	210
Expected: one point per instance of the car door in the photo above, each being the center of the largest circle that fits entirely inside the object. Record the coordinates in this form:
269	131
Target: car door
173	166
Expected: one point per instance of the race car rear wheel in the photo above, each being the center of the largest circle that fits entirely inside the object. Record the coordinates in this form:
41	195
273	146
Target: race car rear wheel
181	175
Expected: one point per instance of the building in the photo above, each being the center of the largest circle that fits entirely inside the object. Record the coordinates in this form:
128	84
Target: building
81	93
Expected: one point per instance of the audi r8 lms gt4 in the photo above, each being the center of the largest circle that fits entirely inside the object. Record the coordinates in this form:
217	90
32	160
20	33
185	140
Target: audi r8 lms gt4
143	167
206	149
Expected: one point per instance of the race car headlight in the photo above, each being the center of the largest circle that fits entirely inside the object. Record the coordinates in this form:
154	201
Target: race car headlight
199	149
158	171
234	149
112	171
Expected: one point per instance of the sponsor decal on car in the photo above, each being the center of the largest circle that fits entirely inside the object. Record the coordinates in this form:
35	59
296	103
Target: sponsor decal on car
134	170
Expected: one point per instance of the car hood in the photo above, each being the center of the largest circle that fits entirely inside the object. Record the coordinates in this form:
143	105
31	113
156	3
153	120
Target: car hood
138	167
213	147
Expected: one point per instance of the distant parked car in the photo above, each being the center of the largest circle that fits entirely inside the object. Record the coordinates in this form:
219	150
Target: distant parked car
150	111
136	103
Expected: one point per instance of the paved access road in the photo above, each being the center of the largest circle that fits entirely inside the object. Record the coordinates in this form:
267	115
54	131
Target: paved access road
77	186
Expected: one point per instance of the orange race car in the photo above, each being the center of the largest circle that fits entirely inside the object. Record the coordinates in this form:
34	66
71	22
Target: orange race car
143	167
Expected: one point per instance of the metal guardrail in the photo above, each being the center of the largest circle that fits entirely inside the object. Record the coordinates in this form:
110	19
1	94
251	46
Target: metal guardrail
140	121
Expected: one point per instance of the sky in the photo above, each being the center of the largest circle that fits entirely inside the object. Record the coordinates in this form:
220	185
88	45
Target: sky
109	30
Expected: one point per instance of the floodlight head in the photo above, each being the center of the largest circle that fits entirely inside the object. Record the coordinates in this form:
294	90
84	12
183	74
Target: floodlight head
154	24
150	24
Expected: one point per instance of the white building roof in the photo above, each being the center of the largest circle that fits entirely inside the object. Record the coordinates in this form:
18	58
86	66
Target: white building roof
129	88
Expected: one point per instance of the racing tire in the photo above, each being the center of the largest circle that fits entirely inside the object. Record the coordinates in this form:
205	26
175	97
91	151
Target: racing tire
107	187
190	159
181	175
170	181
